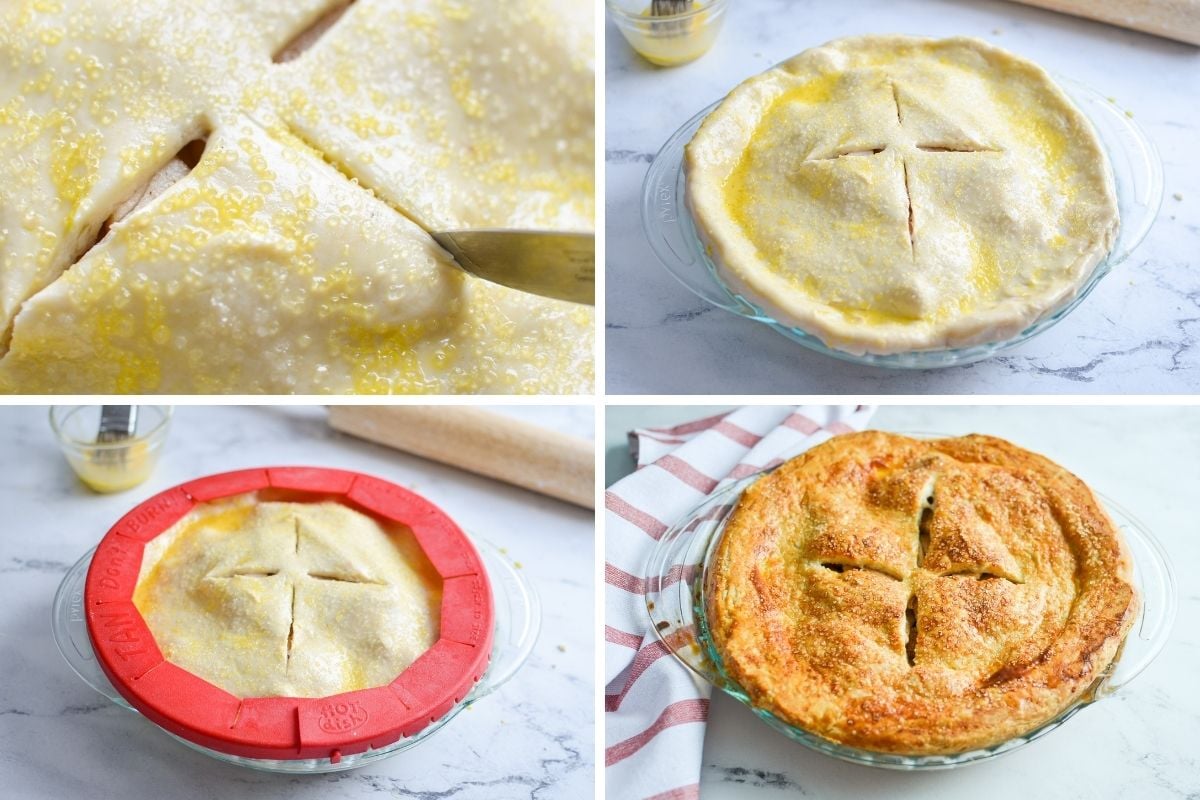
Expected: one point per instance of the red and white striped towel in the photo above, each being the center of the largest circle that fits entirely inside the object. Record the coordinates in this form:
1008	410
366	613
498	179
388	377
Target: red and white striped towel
656	709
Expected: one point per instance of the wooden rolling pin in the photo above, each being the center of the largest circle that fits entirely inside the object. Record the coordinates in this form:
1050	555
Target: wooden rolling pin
483	442
1172	19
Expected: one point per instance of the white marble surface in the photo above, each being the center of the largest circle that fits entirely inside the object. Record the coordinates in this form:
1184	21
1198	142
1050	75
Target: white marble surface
1139	743
1137	333
58	739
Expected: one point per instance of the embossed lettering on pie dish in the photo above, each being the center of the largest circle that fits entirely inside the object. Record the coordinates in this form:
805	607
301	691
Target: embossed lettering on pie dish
285	256
918	597
288	599
892	193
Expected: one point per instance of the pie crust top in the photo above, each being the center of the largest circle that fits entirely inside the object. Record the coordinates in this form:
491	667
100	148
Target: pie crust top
291	257
893	193
286	599
918	596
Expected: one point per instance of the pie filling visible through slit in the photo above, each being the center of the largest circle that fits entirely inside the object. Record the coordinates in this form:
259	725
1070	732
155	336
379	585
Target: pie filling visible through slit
918	596
892	193
286	599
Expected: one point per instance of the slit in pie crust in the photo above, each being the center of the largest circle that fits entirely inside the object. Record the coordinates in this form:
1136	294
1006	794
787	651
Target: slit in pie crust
893	193
270	598
918	596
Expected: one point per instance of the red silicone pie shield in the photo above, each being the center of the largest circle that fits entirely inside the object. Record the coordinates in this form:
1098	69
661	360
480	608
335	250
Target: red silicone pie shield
284	728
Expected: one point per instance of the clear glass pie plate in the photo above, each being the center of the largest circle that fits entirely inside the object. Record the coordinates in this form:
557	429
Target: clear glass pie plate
676	606
668	224
518	619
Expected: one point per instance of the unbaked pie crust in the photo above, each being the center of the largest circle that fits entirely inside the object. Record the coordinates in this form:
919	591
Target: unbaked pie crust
918	596
893	193
287	259
269	598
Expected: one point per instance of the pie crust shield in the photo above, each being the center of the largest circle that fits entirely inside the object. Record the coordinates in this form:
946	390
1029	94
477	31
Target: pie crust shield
887	246
291	728
1011	629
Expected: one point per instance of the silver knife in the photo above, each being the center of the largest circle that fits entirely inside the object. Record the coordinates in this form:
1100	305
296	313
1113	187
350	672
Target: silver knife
548	263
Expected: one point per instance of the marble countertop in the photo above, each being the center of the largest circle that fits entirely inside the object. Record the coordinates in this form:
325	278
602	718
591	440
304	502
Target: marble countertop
1138	743
1139	330
534	737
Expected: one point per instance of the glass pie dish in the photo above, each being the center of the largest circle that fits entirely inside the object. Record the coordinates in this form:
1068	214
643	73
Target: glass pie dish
513	608
668	224
676	606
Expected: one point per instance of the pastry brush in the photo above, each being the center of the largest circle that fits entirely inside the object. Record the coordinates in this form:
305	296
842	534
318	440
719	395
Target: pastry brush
117	423
669	8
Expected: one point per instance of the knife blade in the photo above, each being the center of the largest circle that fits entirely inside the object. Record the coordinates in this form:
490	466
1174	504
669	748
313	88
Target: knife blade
548	263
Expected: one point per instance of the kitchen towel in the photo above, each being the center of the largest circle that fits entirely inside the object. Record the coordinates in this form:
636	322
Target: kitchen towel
655	708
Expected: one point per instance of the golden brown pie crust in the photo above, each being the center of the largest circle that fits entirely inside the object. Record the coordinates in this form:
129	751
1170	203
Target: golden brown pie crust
1019	583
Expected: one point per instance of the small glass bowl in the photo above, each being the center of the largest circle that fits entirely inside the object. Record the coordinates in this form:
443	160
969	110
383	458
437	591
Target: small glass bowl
668	224
518	619
669	41
110	466
676	606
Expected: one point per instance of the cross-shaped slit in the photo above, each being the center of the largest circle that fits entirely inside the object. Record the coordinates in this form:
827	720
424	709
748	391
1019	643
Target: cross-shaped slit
291	637
923	529
928	147
847	566
985	571
176	169
305	39
287	664
912	244
849	152
956	148
910	630
291	578
343	578
910	611
983	575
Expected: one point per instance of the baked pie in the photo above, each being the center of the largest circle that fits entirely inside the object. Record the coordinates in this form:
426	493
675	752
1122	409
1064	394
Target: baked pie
918	596
288	599
188	203
894	193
